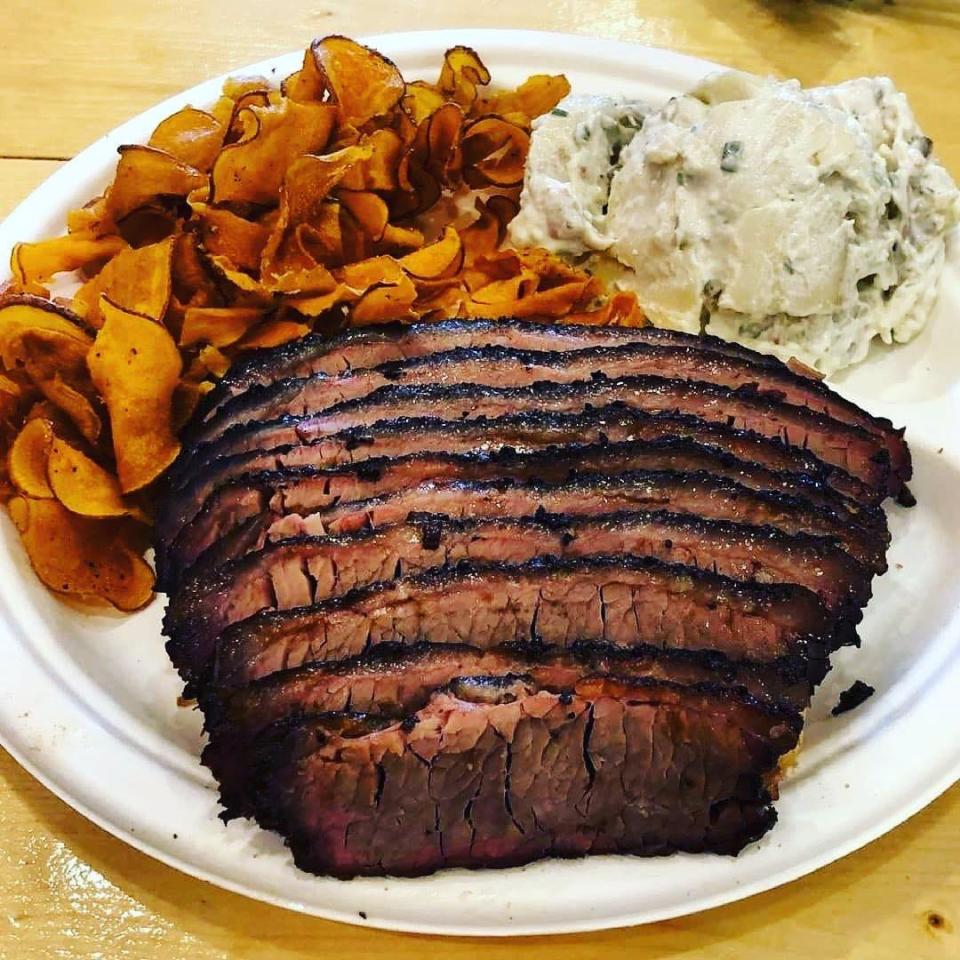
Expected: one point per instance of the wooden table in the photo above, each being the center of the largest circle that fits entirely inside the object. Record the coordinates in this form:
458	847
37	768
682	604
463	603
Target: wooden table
69	71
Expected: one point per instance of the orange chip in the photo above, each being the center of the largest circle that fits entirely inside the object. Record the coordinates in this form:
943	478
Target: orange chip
444	154
554	302
368	209
314	306
83	486
313	244
462	72
192	282
488	231
386	302
91	217
273	333
191	135
143	175
136	365
93	559
213	361
21	313
236	88
535	96
364	83
307	84
138	279
621	310
56	363
253	168
379	170
27	460
421	99
367	273
405	237
224	234
512	288
219	326
310	179
38	262
440	259
494	152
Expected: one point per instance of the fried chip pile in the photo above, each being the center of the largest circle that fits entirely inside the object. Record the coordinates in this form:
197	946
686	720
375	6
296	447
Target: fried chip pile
346	196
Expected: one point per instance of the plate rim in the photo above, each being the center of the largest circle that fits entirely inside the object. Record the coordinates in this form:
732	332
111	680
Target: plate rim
9	622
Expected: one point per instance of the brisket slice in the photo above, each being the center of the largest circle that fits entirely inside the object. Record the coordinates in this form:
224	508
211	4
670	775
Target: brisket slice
622	601
528	428
628	402
587	494
498	772
473	401
782	407
395	683
191	522
308	570
361	348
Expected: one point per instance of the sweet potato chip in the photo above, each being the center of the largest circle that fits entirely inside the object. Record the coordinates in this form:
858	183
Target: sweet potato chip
219	326
191	135
21	313
139	279
494	152
83	486
386	302
368	209
93	559
364	83
38	262
224	234
236	88
253	168
462	72
421	99
310	179
307	84
404	237
192	282
535	96
91	217
213	361
301	267
440	259
27	460
143	175
367	273
444	158
621	310
273	333
135	365
149	224
56	363
379	170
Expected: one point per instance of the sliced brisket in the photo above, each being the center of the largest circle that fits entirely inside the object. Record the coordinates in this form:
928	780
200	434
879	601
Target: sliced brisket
191	522
758	399
309	570
472	401
365	347
394	683
501	772
623	601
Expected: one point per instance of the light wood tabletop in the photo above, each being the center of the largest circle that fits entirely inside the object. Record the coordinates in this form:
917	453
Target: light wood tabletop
70	71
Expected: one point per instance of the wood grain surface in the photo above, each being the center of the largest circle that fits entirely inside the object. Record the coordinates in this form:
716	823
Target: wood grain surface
70	71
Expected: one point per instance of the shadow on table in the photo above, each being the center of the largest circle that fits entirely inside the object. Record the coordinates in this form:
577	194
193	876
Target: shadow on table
196	913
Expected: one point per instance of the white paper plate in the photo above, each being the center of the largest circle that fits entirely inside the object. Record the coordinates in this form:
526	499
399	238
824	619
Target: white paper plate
87	703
